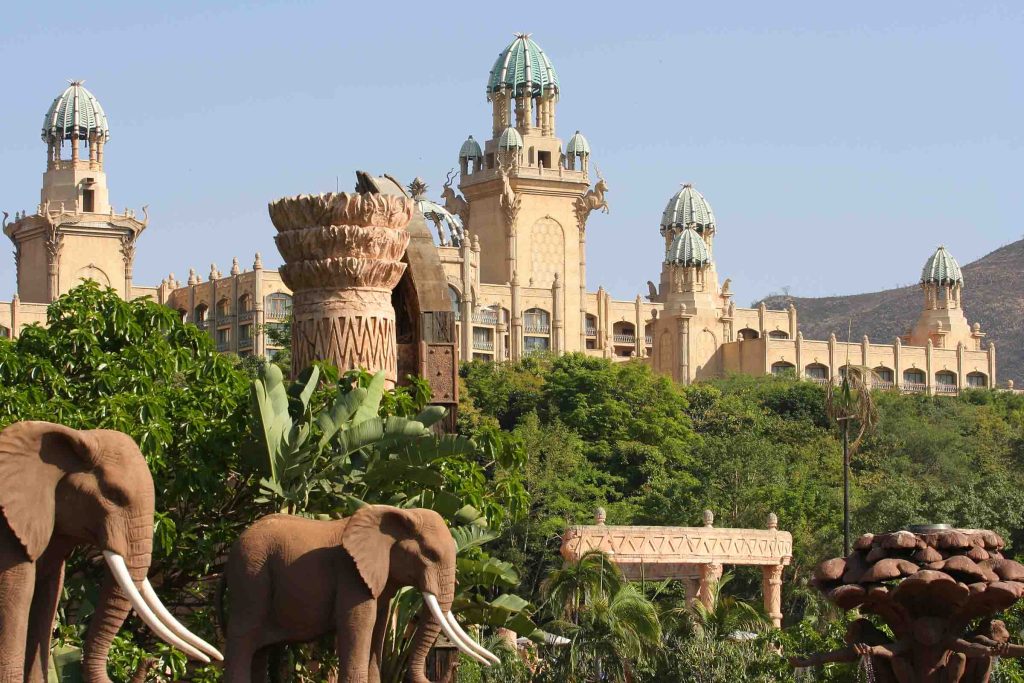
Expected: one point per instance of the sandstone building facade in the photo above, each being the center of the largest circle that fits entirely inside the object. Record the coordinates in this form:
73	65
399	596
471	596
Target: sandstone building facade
511	238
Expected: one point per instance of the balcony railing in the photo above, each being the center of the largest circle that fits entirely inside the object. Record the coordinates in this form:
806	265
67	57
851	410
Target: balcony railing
649	341
591	331
246	316
223	346
485	317
278	314
823	381
624	338
202	324
915	387
885	385
483	345
537	328
946	389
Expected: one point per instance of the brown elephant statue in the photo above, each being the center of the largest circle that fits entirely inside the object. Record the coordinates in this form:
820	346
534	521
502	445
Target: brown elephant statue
60	489
292	579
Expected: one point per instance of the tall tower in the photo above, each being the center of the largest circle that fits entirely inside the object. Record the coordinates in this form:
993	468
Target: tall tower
942	319
525	194
694	323
74	233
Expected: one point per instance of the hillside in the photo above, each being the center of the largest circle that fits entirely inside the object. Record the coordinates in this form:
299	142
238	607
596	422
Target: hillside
993	296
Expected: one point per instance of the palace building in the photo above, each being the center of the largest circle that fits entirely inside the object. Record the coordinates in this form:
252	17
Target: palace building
511	240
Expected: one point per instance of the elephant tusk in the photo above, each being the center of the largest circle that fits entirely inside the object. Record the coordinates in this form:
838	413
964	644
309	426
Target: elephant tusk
557	641
435	610
153	600
477	647
119	570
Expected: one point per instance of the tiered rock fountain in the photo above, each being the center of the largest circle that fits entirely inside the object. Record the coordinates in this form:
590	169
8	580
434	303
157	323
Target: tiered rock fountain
929	585
343	256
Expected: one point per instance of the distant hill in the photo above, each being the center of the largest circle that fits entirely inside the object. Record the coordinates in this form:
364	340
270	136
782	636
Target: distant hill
993	296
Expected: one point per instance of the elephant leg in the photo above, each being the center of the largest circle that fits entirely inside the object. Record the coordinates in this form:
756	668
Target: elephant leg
17	582
357	616
49	581
380	630
260	660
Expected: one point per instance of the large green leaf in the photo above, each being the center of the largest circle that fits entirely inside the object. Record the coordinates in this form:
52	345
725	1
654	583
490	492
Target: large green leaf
371	404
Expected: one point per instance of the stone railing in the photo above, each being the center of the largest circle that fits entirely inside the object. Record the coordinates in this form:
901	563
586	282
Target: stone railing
914	387
483	345
485	317
537	328
624	338
590	331
947	389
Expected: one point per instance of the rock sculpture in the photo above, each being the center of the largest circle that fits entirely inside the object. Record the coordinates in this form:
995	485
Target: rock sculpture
927	585
455	203
343	256
292	579
63	489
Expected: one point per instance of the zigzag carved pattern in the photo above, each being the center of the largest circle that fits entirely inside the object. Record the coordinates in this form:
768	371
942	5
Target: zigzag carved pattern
668	545
348	342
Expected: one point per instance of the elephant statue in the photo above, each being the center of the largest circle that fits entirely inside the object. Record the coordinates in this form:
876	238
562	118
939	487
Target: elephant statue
292	579
60	489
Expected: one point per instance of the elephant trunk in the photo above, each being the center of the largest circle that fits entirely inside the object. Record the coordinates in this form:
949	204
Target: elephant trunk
110	614
111	611
426	634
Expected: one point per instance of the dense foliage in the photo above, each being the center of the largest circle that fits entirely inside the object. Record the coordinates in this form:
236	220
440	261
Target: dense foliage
650	452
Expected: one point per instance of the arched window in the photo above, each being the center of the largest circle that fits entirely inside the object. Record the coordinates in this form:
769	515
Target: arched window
816	372
536	321
649	334
977	380
5	332
777	334
590	325
245	303
783	369
624	333
182	313
456	299
914	379
884	377
278	306
223	308
945	382
747	334
200	313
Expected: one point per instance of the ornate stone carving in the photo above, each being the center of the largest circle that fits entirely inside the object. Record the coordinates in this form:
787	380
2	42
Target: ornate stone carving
592	200
342	257
128	249
455	203
508	199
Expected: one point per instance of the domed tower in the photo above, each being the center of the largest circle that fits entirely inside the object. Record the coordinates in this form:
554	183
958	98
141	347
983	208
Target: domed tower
528	200
690	331
74	234
942	319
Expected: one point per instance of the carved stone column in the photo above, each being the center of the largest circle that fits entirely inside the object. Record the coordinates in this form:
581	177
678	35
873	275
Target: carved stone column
771	586
710	575
343	256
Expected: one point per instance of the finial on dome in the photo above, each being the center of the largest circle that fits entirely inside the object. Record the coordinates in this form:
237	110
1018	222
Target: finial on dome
258	263
193	279
235	268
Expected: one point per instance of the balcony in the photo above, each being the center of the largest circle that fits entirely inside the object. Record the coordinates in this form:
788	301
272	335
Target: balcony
947	389
537	328
276	313
882	384
483	345
203	325
914	387
485	317
624	338
649	341
590	331
823	381
246	316
223	346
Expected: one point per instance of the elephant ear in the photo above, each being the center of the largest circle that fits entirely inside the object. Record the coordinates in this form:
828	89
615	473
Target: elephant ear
34	457
368	537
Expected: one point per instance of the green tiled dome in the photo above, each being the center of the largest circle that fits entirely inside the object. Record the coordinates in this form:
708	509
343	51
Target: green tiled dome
510	139
522	65
577	145
686	209
75	111
942	268
688	249
470	149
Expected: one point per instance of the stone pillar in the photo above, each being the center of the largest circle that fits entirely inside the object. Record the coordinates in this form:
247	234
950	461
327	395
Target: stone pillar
799	356
516	336
865	345
831	356
992	364
710	575
583	286
683	346
961	377
343	256
792	321
692	588
929	383
640	342
557	322
771	585
897	364
499	334
259	340
15	314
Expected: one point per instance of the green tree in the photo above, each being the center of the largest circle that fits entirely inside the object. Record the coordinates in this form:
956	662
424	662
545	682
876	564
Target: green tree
102	362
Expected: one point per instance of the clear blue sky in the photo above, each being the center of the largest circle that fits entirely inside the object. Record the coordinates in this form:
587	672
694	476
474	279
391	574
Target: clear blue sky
838	143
